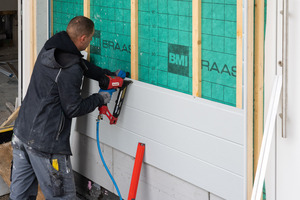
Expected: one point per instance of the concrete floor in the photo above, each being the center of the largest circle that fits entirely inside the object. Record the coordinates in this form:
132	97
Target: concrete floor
8	85
8	94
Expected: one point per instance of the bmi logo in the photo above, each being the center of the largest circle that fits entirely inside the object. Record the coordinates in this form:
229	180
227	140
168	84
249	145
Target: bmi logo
178	59
95	47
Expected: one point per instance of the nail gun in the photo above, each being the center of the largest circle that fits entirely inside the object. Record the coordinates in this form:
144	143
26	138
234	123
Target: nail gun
103	110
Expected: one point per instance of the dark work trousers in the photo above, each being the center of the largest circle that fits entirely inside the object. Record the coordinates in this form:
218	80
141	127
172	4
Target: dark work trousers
52	172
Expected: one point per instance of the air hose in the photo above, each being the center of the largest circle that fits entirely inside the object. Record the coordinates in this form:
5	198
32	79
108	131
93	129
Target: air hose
103	161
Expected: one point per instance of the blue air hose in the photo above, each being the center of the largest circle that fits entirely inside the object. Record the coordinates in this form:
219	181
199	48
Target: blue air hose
101	156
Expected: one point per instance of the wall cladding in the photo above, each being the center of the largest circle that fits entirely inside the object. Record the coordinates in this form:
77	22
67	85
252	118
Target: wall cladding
207	151
165	42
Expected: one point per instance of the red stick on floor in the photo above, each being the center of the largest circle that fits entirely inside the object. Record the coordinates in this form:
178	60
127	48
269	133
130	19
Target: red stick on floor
136	171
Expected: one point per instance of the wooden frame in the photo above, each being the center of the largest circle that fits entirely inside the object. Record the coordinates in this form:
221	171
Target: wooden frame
33	35
250	38
239	54
134	40
259	79
87	13
51	16
197	43
87	8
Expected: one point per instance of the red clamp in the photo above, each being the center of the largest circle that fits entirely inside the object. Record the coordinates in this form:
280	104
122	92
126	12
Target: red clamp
103	110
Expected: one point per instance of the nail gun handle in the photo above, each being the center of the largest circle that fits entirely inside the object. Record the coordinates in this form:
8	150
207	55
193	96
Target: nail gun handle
103	110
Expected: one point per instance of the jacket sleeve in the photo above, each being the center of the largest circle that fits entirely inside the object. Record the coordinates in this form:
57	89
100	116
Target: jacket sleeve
94	72
69	83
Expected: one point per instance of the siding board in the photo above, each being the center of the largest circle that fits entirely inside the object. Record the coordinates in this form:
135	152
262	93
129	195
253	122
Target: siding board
196	140
213	118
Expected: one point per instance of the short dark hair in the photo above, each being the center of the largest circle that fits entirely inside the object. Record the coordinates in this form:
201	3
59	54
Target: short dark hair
80	25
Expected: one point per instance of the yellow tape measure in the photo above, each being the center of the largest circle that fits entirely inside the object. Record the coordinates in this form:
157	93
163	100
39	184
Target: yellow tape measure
55	164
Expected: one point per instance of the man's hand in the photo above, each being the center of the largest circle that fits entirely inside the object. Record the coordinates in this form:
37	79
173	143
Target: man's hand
120	73
106	95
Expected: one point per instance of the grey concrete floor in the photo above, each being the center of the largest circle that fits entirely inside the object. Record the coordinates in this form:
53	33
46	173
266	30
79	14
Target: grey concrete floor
8	94
8	85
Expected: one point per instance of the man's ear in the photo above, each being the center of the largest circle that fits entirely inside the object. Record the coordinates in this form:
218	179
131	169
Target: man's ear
83	38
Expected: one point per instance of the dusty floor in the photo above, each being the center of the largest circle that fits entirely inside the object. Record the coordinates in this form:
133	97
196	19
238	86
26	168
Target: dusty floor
8	94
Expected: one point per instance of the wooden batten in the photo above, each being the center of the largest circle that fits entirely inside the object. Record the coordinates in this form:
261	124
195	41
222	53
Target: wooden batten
11	118
51	17
197	43
259	79
87	13
239	54
134	40
33	35
250	45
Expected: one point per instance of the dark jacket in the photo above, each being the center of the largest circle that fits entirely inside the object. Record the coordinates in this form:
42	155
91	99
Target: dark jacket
53	96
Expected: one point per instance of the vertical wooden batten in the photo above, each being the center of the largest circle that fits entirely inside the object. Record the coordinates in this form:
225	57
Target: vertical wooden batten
87	13
250	40
239	53
33	35
134	40
197	43
51	17
259	79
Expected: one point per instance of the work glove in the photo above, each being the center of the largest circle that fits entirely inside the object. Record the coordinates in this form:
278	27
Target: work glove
106	95
120	73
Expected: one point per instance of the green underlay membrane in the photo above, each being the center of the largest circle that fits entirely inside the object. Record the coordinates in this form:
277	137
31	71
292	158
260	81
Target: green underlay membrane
64	11
110	47
165	42
219	50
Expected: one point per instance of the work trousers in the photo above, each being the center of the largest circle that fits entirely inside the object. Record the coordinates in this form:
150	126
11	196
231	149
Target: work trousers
30	167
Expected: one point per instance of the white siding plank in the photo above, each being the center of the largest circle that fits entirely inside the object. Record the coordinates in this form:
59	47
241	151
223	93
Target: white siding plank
210	117
182	165
203	146
196	140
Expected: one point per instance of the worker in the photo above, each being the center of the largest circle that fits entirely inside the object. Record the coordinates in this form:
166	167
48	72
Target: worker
41	139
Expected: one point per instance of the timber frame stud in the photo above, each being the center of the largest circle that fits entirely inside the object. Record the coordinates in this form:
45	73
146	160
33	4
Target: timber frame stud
196	48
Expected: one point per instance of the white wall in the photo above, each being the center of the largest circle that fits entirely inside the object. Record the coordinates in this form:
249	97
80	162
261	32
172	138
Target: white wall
288	159
25	32
26	51
269	75
283	171
41	24
194	141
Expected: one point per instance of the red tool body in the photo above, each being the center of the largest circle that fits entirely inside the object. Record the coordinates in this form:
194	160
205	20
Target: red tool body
114	82
103	110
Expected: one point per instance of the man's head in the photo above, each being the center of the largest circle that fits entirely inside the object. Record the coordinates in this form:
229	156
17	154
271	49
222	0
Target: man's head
81	30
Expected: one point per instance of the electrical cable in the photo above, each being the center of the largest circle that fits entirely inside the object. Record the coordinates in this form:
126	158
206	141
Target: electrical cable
102	159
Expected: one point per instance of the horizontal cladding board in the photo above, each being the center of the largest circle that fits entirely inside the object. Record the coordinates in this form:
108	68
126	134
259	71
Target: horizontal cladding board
209	117
209	146
202	174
